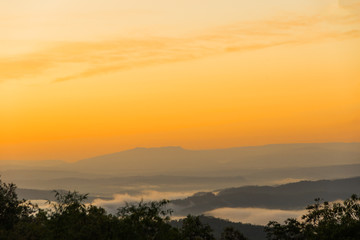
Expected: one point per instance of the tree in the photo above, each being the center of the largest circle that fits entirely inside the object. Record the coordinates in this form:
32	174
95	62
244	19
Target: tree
70	218
324	220
14	213
10	206
230	233
147	221
193	229
292	229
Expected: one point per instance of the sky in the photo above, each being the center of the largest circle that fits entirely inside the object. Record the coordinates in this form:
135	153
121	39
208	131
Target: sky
85	78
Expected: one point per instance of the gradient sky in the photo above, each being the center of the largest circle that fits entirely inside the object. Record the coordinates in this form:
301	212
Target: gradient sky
84	78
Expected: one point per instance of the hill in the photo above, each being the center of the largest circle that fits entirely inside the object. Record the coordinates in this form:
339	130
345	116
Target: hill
178	169
176	160
252	232
289	196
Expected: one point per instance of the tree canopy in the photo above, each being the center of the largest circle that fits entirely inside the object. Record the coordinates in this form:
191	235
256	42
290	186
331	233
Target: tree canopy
69	218
323	221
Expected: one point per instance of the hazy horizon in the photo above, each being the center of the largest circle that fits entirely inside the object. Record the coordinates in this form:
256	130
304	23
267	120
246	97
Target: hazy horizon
179	147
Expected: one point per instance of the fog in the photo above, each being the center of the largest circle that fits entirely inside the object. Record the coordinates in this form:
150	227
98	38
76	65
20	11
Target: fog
259	216
120	200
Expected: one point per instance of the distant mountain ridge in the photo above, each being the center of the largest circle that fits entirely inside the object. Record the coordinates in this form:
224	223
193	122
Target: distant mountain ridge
177	160
288	196
251	232
177	169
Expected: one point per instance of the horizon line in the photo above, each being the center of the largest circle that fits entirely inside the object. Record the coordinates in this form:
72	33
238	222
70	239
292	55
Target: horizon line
180	147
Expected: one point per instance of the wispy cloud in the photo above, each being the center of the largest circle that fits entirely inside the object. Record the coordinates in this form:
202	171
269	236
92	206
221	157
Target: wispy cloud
288	180
259	216
351	4
120	200
97	58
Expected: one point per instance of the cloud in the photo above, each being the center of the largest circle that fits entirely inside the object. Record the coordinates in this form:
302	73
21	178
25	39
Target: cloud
22	67
88	59
43	204
349	4
289	180
120	200
260	216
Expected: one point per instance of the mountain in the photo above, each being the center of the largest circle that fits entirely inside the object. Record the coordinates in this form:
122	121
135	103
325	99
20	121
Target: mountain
107	186
178	169
288	196
176	160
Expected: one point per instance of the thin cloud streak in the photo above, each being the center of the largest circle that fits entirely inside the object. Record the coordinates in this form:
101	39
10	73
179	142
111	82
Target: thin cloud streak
259	216
97	58
119	200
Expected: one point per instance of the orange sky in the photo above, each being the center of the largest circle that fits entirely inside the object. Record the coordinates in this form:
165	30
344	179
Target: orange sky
95	77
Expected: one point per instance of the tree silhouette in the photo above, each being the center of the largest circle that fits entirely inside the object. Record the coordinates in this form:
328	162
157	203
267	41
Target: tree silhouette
147	221
193	229
69	218
230	233
324	221
15	214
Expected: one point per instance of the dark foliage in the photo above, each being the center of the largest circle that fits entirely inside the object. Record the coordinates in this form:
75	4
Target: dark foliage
193	229
218	225
146	221
230	233
324	221
69	218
